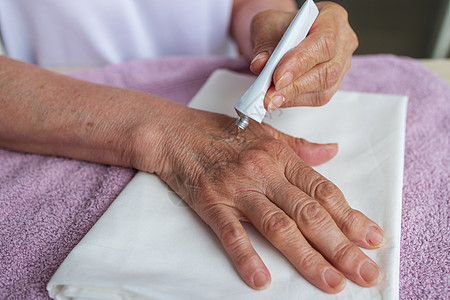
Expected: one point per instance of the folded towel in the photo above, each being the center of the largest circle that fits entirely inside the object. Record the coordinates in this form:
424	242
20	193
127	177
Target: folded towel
47	204
145	246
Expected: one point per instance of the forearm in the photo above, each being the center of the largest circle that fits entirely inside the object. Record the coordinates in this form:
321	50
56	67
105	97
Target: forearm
48	113
242	15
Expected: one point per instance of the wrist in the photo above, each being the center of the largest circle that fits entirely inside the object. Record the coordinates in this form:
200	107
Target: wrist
154	134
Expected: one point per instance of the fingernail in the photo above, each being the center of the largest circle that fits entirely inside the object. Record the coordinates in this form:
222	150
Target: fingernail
334	279
369	272
260	56
374	236
275	103
261	280
284	81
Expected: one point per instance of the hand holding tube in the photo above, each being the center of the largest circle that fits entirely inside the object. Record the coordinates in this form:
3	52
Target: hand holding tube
309	74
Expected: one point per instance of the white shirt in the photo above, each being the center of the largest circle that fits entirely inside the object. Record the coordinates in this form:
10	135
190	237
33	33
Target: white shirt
78	33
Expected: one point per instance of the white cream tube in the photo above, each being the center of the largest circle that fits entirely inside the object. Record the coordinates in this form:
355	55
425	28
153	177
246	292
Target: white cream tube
251	104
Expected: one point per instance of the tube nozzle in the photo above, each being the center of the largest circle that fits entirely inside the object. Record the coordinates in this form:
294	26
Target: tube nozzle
242	122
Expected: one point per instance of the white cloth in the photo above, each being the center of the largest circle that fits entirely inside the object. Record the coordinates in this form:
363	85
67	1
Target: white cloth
149	245
81	33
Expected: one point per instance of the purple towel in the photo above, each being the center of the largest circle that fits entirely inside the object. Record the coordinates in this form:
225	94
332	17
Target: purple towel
47	204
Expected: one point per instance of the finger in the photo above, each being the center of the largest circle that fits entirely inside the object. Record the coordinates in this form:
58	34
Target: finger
321	82
237	244
259	62
283	233
323	234
311	153
322	77
318	98
356	226
317	48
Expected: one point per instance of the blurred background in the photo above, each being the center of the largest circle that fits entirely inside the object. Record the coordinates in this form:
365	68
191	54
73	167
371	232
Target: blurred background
415	28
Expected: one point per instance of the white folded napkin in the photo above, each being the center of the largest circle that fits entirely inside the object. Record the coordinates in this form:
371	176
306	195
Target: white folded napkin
150	245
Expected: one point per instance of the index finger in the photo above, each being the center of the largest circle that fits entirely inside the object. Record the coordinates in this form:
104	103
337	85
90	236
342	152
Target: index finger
318	47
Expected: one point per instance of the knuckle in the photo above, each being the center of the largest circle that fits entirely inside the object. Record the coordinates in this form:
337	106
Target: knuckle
212	214
311	213
328	44
300	142
297	168
355	41
231	235
345	254
243	259
295	90
307	261
352	220
329	75
338	11
275	146
205	198
341	11
254	160
301	59
278	224
325	191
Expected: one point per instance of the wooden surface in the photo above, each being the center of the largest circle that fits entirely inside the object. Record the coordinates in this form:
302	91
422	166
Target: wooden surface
438	66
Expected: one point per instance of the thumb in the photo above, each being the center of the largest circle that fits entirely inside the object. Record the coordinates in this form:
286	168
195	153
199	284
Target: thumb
311	153
267	28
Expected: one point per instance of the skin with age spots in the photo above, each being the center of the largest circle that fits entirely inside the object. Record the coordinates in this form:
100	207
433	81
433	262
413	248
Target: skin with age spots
258	176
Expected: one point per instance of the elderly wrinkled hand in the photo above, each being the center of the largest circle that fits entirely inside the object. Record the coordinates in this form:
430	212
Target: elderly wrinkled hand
263	176
311	73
